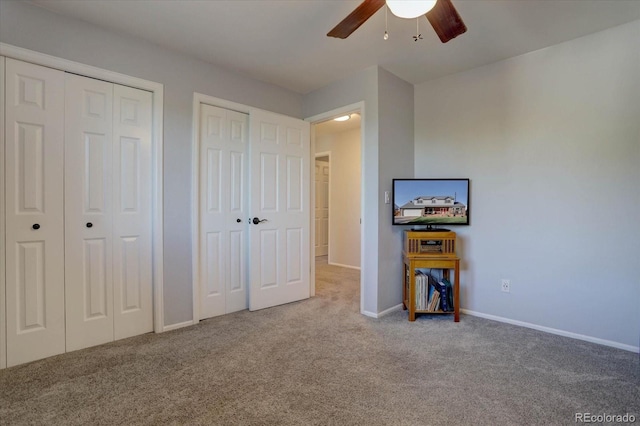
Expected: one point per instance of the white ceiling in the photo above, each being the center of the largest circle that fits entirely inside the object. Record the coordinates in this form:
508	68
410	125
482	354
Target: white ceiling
285	42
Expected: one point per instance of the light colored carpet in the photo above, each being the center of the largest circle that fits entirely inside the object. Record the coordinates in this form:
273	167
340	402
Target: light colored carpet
319	362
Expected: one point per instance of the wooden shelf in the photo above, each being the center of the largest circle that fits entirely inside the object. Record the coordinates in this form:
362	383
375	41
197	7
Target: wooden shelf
427	260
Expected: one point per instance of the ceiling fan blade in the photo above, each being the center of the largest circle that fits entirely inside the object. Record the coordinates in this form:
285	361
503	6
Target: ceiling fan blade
446	21
356	18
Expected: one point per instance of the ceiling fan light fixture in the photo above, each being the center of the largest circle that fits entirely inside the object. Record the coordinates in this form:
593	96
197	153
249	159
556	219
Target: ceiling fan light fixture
342	118
410	9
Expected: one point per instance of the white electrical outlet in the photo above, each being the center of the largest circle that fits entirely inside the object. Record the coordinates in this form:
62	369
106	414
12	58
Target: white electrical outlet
506	285
386	197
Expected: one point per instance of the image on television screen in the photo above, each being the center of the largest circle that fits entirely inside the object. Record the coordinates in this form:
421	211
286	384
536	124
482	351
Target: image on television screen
431	202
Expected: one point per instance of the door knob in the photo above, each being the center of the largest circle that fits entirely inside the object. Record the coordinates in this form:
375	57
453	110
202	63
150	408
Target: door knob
238	220
258	220
36	226
89	224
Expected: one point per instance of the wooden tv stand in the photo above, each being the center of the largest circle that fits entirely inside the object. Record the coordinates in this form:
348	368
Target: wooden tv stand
429	250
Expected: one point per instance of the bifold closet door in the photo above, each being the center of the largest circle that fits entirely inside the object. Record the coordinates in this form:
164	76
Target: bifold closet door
223	211
88	211
34	154
132	224
107	212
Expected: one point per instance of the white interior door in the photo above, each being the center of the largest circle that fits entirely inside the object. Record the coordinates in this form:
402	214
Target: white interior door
223	211
322	207
280	179
34	111
132	221
88	212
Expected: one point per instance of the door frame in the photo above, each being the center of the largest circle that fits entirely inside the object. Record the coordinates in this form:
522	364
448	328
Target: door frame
359	108
3	327
157	91
316	156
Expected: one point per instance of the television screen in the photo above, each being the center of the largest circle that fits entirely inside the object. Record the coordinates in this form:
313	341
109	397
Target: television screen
430	202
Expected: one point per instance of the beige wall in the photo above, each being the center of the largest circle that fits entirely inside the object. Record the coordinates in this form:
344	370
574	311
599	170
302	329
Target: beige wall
551	142
344	204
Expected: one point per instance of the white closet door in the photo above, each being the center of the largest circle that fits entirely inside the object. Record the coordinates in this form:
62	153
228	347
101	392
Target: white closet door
108	212
223	211
132	238
279	245
88	212
34	212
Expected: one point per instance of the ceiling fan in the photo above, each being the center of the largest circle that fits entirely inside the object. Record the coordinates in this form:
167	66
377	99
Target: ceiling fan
444	19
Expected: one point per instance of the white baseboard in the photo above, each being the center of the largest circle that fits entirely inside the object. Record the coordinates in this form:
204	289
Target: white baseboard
178	325
383	313
344	266
564	333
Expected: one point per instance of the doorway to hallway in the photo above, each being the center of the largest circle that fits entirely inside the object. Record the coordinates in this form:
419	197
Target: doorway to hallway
337	152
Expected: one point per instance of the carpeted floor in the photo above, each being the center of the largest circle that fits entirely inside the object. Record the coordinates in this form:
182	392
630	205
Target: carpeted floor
319	362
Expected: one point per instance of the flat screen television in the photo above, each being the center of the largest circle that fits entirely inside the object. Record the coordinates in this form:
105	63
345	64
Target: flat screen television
430	203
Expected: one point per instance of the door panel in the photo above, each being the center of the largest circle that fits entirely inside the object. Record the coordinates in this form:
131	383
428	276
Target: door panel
31	282
269	177
30	164
279	246
236	265
34	108
294	184
270	259
132	266
215	268
223	211
214	180
130	185
95	280
88	212
131	282
294	258
236	183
